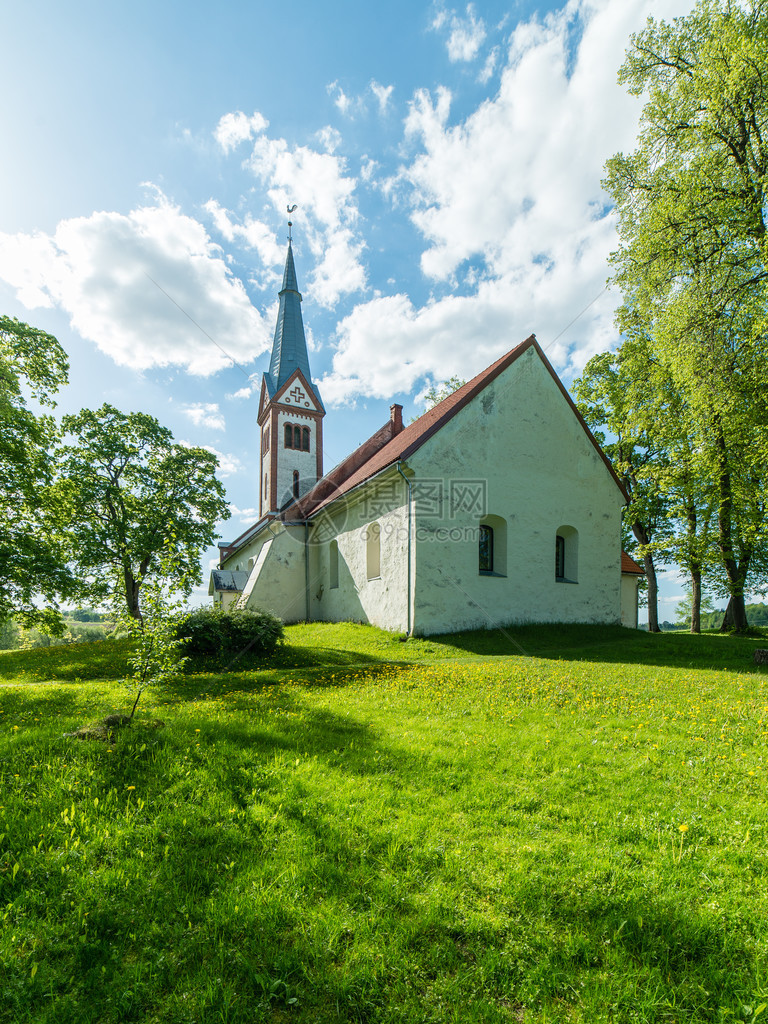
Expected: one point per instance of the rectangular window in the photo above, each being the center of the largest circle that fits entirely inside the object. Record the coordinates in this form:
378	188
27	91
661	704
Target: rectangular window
559	558
486	549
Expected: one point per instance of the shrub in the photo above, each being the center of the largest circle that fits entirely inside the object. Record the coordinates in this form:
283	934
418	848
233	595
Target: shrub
231	632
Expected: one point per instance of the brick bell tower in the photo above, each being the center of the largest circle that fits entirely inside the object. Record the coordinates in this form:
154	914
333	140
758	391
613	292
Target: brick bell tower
290	408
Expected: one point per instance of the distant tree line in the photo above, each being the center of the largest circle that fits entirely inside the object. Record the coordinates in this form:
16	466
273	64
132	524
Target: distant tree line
682	406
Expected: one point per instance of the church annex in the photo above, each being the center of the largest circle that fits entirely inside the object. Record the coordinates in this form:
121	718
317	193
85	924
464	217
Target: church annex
496	506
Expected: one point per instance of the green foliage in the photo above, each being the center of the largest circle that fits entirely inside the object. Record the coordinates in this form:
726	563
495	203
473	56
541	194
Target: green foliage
157	656
437	392
230	633
692	264
32	561
129	497
683	610
86	615
9	635
569	836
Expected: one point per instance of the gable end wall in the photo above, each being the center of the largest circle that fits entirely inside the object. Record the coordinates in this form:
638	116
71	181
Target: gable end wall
520	442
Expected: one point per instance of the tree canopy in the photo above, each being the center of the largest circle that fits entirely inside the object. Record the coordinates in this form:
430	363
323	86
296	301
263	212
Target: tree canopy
691	200
133	500
33	366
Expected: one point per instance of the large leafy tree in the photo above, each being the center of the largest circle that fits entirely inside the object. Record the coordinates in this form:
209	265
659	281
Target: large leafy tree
133	501
622	411
33	366
692	201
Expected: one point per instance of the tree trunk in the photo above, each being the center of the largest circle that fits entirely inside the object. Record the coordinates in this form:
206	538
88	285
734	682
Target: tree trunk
735	617
653	593
696	600
727	623
132	586
641	534
735	572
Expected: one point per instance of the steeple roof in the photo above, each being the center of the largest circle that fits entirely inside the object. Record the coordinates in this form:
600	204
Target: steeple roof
289	348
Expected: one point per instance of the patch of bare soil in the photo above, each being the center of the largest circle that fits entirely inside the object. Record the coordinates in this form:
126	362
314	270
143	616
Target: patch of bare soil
107	729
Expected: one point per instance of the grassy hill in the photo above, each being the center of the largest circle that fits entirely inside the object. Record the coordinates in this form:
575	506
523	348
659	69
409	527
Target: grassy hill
544	824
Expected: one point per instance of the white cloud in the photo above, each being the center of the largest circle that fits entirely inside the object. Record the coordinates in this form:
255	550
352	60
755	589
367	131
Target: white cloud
205	414
348	106
382	94
254	234
237	127
245	515
329	138
465	36
509	203
490	66
228	464
328	211
368	168
150	288
245	392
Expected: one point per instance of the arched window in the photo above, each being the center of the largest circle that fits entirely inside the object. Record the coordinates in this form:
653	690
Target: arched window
305	439
295	483
297	438
492	546
567	555
373	551
333	564
288	435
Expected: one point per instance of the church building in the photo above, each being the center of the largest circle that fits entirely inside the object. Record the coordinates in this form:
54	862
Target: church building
497	506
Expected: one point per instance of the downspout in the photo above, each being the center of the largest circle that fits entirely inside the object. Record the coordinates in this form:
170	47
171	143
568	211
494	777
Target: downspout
410	498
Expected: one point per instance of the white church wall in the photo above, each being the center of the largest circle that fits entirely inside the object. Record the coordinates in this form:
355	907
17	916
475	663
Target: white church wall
629	615
277	581
381	601
519	443
275	560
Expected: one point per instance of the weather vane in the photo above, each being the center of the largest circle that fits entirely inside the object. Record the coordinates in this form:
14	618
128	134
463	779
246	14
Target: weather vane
290	222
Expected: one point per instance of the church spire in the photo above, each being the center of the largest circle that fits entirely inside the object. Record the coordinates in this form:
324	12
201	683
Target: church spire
290	408
289	347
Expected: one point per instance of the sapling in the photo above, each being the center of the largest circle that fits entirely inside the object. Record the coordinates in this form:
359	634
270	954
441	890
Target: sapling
157	656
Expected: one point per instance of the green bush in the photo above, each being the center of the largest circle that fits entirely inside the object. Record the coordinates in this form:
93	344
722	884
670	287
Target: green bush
231	632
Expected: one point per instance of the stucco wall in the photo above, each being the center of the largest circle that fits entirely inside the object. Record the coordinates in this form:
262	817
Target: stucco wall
519	443
276	562
382	601
629	600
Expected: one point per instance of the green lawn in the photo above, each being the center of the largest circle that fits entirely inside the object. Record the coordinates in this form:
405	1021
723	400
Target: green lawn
545	824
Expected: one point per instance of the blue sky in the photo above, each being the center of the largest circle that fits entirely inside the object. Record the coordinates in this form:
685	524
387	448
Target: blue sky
446	162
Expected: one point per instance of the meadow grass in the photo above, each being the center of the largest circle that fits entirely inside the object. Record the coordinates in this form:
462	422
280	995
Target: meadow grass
372	830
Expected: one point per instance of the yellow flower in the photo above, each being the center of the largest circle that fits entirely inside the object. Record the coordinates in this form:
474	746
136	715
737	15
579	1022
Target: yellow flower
683	828
130	787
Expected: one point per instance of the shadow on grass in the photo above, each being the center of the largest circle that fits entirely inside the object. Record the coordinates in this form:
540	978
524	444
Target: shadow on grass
611	644
323	648
542	934
287	655
103	659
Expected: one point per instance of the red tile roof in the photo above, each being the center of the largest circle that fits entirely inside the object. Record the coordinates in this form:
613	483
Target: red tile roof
417	433
630	565
378	453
